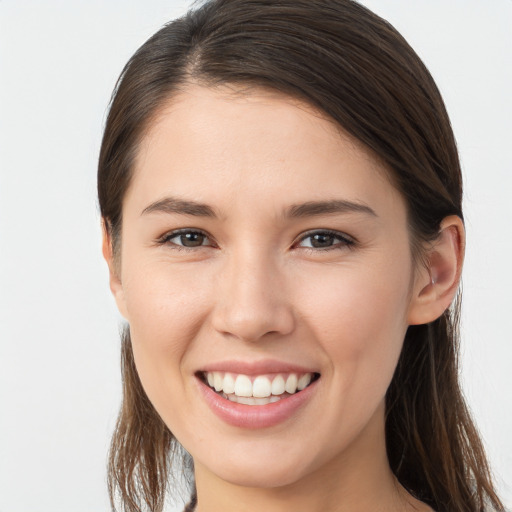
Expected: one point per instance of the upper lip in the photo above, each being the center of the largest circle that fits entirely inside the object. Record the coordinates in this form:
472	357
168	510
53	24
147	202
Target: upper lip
260	367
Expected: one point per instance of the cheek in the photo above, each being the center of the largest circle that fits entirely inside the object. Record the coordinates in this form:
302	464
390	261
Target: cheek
166	309
358	319
164	302
359	315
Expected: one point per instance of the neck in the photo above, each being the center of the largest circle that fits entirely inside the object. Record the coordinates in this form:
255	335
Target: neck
357	480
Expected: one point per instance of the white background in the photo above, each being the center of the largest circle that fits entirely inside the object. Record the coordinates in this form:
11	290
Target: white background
59	347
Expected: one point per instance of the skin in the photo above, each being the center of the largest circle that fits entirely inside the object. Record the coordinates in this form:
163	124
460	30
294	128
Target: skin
257	290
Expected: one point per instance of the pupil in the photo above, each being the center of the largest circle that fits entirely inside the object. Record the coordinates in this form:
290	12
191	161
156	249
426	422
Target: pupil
192	239
322	240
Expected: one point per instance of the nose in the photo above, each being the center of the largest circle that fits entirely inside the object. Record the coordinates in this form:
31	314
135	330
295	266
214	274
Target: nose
252	301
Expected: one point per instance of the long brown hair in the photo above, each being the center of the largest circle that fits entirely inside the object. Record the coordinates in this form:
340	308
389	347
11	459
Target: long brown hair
354	66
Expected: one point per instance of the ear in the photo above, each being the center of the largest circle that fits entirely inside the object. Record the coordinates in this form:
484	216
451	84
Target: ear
436	285
116	286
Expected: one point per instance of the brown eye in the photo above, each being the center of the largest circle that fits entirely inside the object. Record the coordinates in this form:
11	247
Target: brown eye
188	239
322	240
192	239
325	240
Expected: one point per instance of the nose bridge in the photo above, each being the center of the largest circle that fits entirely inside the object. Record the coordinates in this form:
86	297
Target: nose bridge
252	299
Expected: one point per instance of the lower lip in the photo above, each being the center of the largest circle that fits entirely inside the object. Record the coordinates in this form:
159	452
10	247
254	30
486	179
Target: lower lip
256	416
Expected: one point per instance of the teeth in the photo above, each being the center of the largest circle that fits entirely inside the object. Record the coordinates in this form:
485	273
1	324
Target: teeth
291	383
218	381
278	385
253	401
229	384
262	388
304	381
246	400
243	386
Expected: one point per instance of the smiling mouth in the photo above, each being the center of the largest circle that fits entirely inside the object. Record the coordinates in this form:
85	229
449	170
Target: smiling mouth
257	389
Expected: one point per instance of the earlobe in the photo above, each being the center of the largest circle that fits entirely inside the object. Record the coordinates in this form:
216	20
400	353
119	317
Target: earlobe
436	286
116	286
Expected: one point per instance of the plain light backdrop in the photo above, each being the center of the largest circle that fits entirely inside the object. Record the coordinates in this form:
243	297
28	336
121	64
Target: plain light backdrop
59	343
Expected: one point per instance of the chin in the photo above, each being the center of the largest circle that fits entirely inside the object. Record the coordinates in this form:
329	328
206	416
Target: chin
265	476
259	468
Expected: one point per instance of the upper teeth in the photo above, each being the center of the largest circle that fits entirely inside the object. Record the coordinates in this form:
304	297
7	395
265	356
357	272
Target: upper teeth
259	386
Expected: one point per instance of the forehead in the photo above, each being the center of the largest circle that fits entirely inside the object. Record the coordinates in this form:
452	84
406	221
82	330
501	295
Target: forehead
263	111
213	143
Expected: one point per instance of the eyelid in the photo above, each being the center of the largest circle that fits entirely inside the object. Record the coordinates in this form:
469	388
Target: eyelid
347	240
166	238
343	238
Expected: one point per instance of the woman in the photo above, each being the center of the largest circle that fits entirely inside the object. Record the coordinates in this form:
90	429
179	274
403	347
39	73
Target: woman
281	196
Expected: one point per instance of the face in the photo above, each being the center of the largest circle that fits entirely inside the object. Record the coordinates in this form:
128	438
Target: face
266	254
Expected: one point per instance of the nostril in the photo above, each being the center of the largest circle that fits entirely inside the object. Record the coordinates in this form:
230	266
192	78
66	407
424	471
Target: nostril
252	306
256	325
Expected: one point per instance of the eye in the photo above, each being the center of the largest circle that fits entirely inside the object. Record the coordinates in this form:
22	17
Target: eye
325	240
186	238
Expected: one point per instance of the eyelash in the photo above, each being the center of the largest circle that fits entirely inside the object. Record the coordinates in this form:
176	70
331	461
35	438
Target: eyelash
166	239
343	241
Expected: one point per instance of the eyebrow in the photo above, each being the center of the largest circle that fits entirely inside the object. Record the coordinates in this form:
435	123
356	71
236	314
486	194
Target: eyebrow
308	209
314	208
175	205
